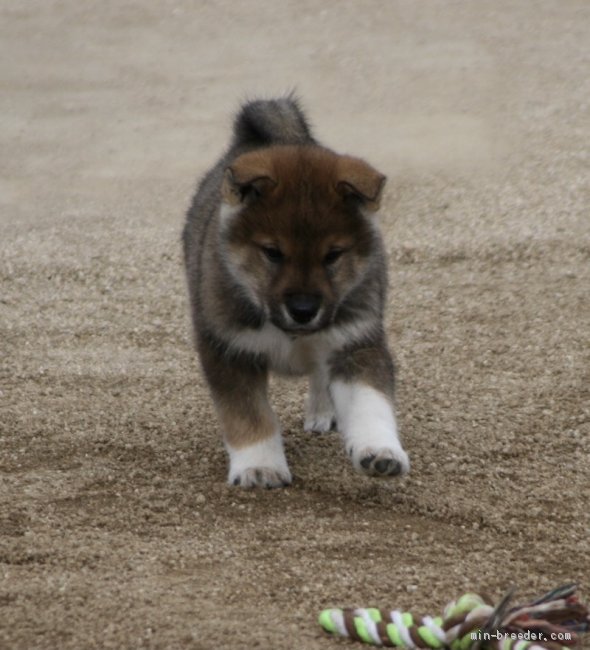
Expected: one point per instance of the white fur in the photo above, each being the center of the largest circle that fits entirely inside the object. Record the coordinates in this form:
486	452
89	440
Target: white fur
244	283
268	340
267	456
367	422
297	355
320	408
227	212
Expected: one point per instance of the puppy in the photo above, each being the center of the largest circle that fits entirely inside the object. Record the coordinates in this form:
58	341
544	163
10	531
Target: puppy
287	273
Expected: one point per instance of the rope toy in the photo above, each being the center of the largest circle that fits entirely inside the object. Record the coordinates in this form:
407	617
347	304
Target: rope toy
470	623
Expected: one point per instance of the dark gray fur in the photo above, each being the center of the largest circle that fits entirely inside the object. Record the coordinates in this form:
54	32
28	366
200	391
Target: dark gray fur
263	123
220	305
260	123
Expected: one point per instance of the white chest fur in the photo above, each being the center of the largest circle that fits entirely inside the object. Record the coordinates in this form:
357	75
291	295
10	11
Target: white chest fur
297	355
287	355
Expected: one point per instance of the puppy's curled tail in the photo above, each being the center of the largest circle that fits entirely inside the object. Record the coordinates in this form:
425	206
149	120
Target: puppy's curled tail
264	122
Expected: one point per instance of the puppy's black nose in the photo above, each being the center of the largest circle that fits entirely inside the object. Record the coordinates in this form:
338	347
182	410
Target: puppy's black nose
303	307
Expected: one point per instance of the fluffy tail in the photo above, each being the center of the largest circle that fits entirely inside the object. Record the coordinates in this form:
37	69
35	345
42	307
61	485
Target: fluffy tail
264	122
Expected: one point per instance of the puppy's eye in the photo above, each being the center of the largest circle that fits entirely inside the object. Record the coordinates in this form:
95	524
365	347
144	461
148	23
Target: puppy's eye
332	256
273	254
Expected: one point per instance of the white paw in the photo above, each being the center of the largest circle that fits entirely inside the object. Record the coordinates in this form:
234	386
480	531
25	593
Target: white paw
262	464
320	422
264	477
385	461
367	422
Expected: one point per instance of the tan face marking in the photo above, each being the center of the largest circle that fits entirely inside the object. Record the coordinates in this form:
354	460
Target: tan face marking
301	230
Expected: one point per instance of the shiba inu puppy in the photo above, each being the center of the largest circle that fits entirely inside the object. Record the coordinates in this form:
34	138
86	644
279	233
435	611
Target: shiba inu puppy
287	273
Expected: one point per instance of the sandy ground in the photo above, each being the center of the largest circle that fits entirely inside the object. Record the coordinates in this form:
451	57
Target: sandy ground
117	529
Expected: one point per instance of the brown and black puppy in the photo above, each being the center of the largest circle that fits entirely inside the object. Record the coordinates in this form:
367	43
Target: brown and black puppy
287	273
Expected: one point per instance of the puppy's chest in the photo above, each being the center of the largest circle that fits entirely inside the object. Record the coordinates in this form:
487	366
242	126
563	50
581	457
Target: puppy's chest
286	355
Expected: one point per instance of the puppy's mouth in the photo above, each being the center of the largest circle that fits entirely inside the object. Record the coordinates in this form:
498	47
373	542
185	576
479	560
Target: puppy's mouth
295	329
295	332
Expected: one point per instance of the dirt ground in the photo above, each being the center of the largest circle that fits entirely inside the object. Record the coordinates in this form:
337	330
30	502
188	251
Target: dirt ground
117	529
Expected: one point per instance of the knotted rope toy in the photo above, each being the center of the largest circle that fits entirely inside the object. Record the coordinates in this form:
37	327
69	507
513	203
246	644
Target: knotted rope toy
470	623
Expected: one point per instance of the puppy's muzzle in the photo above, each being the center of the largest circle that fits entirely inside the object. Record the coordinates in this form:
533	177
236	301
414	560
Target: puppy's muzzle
303	307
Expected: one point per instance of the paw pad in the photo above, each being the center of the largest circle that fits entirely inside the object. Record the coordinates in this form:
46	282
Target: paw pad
381	462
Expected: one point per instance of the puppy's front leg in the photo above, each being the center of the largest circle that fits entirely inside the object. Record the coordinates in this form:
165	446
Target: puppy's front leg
362	391
251	431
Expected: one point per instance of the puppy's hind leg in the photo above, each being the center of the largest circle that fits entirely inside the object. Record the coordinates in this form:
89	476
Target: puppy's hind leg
319	415
251	431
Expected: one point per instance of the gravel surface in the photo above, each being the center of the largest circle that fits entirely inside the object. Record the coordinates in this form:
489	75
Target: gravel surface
117	529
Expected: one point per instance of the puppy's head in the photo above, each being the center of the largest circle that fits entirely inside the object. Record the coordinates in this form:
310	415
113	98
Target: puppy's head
295	230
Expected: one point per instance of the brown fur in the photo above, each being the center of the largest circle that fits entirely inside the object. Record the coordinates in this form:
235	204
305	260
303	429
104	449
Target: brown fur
306	205
239	388
286	272
370	365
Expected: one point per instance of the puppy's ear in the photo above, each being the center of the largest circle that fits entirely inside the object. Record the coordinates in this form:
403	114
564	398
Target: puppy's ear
249	176
357	179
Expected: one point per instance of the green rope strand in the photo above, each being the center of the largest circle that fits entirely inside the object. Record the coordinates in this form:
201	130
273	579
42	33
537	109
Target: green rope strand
467	624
